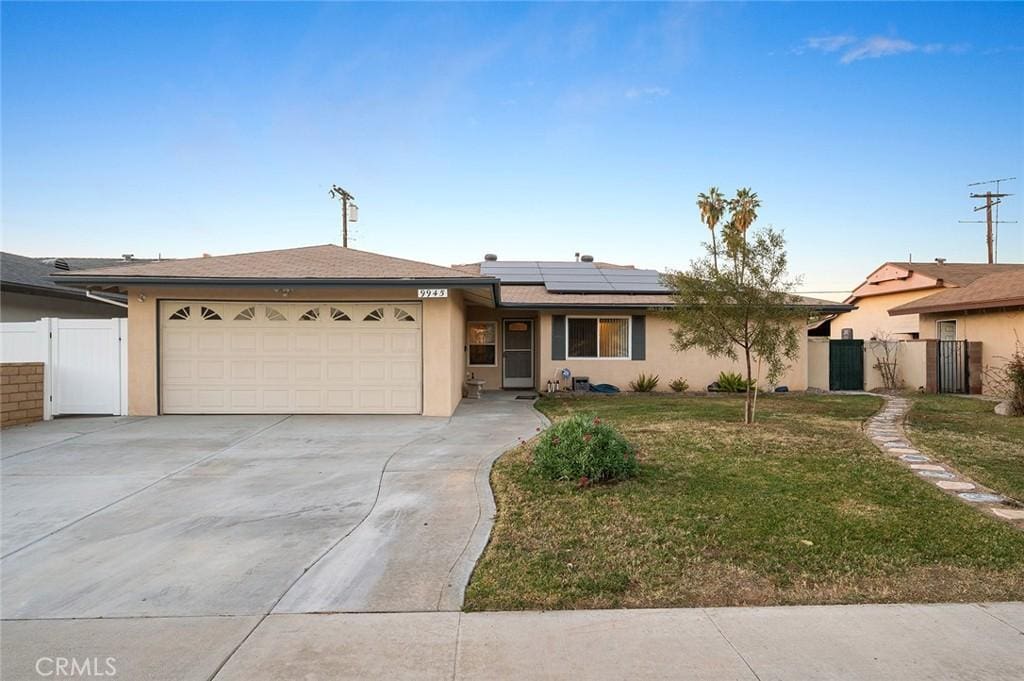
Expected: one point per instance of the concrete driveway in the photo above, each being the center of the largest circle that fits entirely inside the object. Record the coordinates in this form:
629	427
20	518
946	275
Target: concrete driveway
243	515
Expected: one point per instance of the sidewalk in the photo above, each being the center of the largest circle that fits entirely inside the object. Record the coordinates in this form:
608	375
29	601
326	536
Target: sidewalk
862	642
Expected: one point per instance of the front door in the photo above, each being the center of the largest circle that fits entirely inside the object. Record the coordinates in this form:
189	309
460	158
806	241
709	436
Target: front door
517	355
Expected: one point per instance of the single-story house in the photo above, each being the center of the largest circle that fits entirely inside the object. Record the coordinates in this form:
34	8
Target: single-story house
326	329
27	293
894	284
989	310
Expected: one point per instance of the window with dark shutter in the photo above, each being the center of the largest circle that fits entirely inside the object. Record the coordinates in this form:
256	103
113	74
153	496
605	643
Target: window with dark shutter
558	336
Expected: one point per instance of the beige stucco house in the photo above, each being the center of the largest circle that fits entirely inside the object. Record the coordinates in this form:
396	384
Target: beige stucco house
896	284
988	311
325	329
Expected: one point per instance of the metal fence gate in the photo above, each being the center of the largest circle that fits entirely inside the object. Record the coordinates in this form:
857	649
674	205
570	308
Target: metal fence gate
951	366
846	365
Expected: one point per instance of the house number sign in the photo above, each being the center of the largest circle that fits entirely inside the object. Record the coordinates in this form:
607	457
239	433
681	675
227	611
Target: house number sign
433	293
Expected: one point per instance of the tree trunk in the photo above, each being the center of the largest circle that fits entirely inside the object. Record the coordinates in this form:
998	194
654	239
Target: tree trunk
748	412
714	249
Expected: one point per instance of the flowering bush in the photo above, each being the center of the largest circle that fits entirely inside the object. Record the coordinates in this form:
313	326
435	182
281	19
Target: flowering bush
586	449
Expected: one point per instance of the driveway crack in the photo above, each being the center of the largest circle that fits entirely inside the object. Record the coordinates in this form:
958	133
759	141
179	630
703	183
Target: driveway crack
145	487
139	419
323	554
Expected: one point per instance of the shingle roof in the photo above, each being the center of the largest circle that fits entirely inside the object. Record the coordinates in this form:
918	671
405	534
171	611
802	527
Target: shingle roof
311	262
19	270
538	295
1002	289
956	273
527	296
75	263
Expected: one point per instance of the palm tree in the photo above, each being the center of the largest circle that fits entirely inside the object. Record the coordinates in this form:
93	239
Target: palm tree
711	206
744	209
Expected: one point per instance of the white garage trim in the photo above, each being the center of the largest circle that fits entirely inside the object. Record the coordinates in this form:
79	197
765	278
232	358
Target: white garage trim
316	357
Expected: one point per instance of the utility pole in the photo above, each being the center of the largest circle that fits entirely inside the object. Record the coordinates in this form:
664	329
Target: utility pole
340	194
992	200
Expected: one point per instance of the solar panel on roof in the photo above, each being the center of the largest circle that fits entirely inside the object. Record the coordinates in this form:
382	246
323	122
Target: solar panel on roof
567	277
574	287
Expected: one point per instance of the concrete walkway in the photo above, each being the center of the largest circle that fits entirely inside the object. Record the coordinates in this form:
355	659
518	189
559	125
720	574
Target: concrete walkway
866	642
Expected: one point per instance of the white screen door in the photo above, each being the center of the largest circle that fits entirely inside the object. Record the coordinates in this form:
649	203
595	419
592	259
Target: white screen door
517	355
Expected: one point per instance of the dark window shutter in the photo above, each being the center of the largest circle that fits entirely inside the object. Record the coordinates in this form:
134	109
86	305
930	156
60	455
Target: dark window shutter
639	336
558	336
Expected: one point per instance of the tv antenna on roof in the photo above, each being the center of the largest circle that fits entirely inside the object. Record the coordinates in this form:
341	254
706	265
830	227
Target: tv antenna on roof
993	199
349	210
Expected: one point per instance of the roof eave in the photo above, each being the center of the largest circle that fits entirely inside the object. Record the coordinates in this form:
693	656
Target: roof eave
650	306
587	306
348	282
955	307
53	292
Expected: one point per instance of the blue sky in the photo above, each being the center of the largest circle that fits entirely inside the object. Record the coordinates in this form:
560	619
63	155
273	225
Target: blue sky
531	131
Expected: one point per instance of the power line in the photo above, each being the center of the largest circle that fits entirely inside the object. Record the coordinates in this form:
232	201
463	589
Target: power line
992	200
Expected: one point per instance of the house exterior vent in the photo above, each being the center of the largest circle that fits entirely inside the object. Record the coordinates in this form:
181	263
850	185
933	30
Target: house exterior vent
587	258
490	257
61	264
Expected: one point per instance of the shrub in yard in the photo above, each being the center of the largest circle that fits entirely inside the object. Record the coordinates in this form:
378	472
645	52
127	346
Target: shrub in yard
584	448
1007	381
1015	374
731	382
679	385
644	383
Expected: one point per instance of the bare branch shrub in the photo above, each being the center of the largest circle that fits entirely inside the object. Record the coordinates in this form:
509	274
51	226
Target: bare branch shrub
886	351
1007	380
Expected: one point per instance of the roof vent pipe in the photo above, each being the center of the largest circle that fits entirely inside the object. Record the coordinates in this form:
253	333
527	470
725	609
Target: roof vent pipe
587	258
940	261
490	257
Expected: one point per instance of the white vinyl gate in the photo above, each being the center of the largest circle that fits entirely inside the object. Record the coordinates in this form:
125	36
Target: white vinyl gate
85	362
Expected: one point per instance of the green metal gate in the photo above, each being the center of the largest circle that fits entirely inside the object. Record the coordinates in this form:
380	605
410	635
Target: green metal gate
846	365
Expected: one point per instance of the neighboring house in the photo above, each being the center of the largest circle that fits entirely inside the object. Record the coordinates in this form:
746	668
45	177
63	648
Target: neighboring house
988	310
897	283
325	329
27	293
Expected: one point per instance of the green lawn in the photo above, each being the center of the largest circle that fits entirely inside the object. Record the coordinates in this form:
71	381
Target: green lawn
971	437
799	509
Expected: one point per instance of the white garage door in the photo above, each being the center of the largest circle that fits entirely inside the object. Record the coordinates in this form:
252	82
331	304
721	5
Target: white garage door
249	357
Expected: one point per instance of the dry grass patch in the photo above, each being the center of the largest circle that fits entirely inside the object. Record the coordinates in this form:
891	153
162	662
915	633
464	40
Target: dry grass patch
798	509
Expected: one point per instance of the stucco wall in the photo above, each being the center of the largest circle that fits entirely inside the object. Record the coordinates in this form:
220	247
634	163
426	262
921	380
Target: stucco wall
443	334
997	331
872	315
22	307
492	375
910	364
817	363
694	365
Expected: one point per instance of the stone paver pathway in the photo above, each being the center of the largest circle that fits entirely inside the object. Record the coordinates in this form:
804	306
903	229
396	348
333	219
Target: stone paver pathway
887	433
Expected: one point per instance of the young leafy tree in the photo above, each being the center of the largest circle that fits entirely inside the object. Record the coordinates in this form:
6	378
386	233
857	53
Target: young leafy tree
738	300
